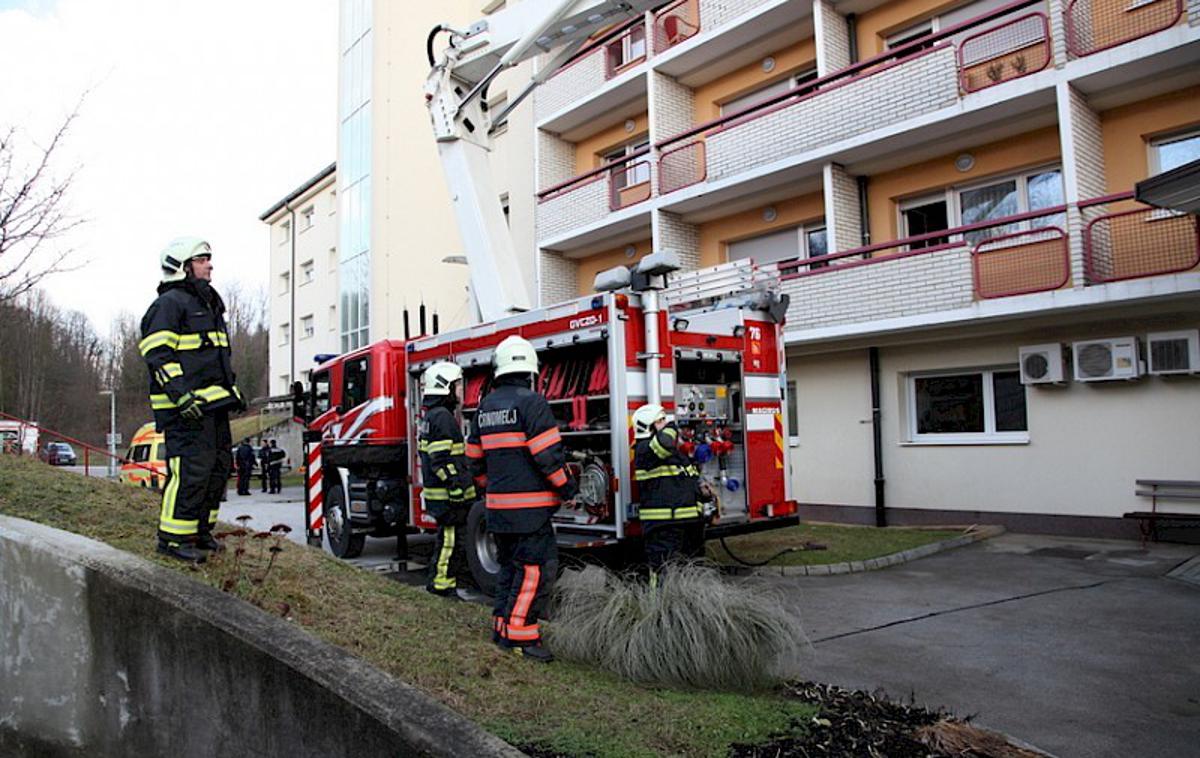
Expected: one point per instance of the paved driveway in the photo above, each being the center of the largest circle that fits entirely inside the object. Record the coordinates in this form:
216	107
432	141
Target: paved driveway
1082	647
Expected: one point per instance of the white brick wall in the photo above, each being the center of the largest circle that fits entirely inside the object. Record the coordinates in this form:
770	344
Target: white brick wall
919	86
671	232
559	278
715	13
1085	175
575	207
832	38
843	219
575	82
890	289
673	109
555	160
1058	31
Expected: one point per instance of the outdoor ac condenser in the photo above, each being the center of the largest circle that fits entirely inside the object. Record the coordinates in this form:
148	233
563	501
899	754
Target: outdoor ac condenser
1106	360
1042	364
1174	352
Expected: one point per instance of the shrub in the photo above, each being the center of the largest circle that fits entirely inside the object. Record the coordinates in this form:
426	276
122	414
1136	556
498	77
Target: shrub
694	629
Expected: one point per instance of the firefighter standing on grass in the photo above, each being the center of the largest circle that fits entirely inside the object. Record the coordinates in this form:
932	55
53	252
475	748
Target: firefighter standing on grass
446	478
518	455
192	391
668	484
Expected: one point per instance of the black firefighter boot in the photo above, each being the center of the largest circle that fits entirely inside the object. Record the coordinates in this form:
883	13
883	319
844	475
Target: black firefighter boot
183	550
205	541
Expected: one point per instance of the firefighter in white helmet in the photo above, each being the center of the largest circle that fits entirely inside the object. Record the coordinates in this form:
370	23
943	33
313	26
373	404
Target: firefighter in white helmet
519	456
447	489
669	491
192	391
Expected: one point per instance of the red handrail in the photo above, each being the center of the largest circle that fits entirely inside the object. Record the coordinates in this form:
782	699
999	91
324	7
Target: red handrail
582	178
1044	41
80	443
1080	51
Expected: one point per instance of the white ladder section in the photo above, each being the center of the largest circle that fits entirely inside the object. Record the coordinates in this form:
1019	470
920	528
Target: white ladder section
736	278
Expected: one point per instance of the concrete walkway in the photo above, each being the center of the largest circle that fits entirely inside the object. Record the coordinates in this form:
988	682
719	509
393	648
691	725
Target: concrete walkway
1081	647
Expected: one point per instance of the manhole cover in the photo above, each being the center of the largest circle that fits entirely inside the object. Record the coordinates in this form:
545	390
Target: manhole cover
1063	552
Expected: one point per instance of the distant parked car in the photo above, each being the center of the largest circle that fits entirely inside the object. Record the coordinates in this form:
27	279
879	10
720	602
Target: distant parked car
59	454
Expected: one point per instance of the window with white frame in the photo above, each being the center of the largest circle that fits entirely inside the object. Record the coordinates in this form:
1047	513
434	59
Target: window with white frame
631	172
333	322
629	49
765	93
924	215
307	272
802	241
306	327
285	283
285	232
333	260
985	405
1174	151
285	334
332	202
306	218
911	34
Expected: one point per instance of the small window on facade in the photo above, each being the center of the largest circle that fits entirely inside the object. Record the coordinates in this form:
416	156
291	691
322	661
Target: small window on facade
333	260
285	232
355	382
307	272
1172	152
332	202
976	406
922	216
333	322
285	282
306	217
306	327
912	34
285	333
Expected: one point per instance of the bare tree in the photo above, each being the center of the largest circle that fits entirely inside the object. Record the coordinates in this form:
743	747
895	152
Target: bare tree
34	214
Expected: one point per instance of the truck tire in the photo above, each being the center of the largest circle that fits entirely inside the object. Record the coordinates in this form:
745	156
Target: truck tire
481	550
343	542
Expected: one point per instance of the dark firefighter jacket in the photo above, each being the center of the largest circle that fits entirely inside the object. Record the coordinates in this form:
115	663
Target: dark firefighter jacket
517	454
245	456
667	480
445	472
186	349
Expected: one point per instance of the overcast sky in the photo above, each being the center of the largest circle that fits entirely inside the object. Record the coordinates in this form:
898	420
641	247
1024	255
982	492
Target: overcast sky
201	114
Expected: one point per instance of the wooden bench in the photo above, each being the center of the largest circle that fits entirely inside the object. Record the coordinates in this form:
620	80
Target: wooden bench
1164	489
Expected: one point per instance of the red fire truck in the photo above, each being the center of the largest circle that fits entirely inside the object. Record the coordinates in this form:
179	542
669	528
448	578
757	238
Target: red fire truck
710	340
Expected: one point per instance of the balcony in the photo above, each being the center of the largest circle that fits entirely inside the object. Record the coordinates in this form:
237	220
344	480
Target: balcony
587	199
958	268
619	51
1095	25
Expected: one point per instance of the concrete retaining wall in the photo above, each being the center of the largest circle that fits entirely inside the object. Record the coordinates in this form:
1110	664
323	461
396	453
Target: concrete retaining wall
105	654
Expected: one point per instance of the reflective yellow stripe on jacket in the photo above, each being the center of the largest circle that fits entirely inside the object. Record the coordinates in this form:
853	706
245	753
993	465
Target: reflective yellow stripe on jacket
177	341
162	402
669	514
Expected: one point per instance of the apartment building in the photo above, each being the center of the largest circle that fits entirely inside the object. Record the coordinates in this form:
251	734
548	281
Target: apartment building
302	289
399	245
945	191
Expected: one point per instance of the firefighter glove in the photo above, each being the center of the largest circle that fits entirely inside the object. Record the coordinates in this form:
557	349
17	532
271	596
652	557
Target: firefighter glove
189	408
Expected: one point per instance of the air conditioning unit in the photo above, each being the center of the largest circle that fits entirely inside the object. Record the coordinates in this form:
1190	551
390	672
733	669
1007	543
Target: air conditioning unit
1174	352
1042	364
1107	359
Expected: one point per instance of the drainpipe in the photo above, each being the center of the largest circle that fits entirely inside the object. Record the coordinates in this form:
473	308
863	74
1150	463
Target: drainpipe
877	438
864	211
292	294
852	33
653	357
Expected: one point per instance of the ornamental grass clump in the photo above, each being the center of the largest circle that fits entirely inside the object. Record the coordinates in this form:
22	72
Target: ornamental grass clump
691	629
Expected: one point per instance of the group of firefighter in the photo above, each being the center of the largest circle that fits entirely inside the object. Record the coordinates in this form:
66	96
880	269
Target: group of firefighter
513	457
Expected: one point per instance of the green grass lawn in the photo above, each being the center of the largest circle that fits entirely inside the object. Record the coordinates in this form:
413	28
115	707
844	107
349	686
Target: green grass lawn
442	648
843	543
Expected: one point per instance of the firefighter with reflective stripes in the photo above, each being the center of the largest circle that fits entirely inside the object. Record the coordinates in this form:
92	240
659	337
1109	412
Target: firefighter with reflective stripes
518	455
192	390
445	476
669	491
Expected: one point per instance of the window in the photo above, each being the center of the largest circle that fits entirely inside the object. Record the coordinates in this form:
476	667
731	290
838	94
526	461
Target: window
1171	152
333	260
307	272
804	241
285	232
285	282
912	34
139	453
332	202
306	327
632	172
320	392
1033	191
356	382
333	318
923	215
629	49
793	416
306	218
966	407
762	94
285	334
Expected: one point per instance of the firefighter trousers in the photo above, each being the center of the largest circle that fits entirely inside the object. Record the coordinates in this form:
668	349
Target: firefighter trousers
198	464
527	565
666	541
448	565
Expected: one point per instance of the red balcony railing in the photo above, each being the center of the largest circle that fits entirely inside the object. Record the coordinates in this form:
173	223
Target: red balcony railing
676	23
1004	52
1138	242
681	166
629	184
1095	25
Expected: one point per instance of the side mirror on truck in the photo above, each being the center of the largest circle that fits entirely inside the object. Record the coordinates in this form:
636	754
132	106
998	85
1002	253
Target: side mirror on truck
300	402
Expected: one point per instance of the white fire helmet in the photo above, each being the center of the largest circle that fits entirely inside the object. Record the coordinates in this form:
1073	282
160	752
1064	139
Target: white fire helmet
644	419
439	378
177	253
515	355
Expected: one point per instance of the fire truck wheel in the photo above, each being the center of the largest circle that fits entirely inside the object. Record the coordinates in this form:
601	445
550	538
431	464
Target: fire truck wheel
343	542
481	550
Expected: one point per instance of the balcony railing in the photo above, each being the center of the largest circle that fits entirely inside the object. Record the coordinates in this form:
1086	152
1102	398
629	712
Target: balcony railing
1004	52
1095	25
676	23
1138	242
618	50
589	197
629	184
